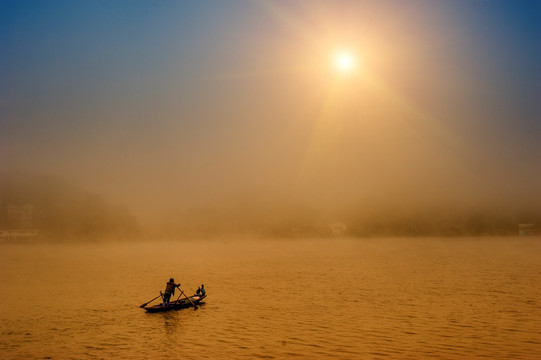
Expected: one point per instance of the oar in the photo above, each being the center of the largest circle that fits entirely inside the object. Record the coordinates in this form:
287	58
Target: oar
190	300
148	302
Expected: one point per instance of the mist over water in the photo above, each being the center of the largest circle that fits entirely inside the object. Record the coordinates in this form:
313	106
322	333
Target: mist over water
62	211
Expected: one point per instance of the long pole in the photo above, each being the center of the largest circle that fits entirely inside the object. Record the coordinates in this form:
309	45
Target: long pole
190	300
145	304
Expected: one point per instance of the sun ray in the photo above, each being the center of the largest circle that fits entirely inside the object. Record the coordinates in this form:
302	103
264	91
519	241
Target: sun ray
344	72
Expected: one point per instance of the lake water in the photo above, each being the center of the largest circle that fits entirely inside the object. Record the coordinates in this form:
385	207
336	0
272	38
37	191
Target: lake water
377	298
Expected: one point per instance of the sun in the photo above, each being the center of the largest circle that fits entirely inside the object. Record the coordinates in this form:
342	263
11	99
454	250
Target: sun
344	61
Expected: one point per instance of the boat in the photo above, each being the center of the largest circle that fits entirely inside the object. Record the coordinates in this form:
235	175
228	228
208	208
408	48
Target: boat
177	304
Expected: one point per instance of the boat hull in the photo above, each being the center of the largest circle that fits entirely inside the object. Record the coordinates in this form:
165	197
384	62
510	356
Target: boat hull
176	305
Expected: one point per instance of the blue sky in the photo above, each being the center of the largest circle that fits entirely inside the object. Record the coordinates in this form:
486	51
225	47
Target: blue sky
162	102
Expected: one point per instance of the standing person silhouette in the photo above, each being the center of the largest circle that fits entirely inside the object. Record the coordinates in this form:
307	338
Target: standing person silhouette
169	290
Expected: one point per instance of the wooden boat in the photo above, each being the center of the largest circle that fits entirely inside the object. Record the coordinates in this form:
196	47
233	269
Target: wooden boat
176	305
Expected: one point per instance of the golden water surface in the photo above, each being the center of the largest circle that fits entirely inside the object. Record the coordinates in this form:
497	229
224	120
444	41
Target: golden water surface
380	298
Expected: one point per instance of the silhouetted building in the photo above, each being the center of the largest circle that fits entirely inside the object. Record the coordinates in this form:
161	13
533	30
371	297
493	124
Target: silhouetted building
20	217
526	229
19	224
338	228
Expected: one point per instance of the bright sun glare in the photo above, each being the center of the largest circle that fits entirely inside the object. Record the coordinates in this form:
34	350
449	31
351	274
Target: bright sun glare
344	61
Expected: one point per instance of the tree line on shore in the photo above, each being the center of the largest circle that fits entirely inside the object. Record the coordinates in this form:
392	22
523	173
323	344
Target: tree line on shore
63	211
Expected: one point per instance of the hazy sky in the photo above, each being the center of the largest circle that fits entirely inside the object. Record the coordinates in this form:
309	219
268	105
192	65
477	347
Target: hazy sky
181	104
